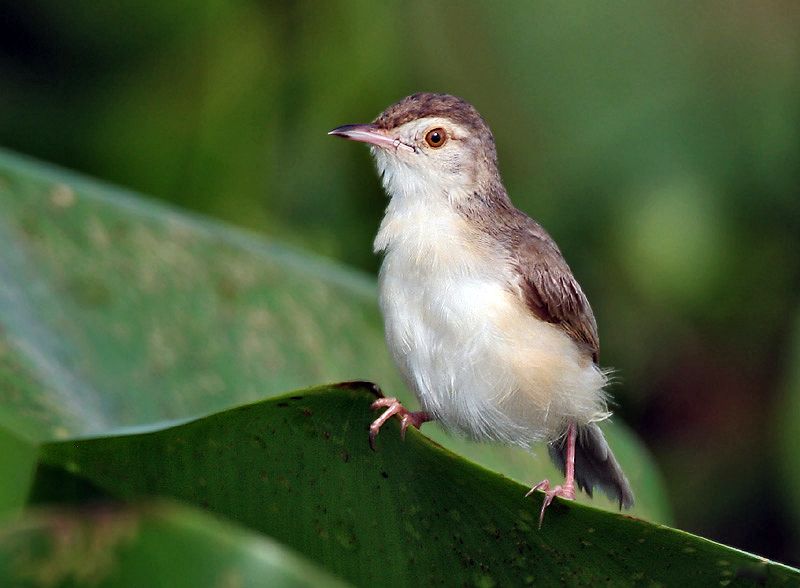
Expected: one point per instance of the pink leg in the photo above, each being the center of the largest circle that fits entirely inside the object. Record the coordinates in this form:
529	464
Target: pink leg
393	407
567	489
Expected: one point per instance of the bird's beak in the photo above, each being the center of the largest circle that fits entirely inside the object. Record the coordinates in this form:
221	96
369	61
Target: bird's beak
369	133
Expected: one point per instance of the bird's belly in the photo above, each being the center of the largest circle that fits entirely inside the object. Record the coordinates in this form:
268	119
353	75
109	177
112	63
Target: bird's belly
479	361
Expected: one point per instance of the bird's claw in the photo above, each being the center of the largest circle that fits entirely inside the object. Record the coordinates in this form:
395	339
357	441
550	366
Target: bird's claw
566	491
393	407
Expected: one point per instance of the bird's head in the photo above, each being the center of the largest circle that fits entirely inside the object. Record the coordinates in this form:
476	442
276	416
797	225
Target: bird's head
430	144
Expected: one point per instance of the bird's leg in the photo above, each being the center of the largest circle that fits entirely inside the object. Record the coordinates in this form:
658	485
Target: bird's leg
567	489
393	407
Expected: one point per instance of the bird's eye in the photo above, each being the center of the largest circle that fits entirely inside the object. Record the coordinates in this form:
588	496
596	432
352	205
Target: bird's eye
436	137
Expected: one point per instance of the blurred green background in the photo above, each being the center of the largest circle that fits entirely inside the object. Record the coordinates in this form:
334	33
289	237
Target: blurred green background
658	142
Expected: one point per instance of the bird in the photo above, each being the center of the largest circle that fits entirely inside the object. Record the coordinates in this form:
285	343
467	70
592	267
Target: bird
482	315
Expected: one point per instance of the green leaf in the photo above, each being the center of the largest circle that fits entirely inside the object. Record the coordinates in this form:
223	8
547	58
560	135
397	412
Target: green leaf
787	431
17	464
162	544
117	314
299	468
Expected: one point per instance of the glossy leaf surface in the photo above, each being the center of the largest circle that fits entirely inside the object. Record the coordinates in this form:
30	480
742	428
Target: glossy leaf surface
299	468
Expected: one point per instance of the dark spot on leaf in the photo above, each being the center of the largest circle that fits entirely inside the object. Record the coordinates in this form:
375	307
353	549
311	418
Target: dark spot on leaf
307	412
385	474
326	435
361	385
752	574
31	227
492	531
226	289
283	404
345	456
295	397
89	291
261	443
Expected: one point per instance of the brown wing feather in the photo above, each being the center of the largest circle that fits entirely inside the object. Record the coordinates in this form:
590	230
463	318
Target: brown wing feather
550	290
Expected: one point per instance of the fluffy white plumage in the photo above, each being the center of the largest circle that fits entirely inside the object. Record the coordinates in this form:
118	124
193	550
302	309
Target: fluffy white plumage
458	329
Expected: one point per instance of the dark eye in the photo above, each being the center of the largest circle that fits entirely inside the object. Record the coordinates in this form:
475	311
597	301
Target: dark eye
436	137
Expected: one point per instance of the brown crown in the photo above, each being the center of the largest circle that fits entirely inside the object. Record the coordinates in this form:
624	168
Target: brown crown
426	104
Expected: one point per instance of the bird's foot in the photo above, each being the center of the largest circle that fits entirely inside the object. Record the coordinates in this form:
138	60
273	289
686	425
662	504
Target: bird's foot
394	408
566	490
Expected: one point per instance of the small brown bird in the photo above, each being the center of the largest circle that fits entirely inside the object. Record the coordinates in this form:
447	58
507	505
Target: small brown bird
483	316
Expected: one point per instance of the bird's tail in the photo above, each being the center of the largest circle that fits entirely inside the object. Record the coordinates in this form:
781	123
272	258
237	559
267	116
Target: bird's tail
595	464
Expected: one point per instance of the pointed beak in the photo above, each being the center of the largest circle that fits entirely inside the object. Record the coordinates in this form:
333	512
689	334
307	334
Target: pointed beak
369	133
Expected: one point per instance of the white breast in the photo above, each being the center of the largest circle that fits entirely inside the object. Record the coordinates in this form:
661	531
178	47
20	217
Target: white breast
465	343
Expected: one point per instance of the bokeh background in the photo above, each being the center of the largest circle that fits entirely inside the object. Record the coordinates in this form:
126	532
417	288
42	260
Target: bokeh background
658	142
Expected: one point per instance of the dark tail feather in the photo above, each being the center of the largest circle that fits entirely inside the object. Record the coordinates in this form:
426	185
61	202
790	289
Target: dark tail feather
595	465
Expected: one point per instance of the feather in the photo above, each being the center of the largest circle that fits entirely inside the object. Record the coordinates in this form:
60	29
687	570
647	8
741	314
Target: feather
595	465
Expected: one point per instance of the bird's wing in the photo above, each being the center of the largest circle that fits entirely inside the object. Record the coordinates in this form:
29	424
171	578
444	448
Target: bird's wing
550	290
